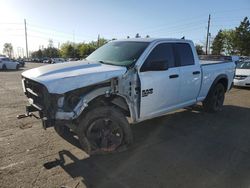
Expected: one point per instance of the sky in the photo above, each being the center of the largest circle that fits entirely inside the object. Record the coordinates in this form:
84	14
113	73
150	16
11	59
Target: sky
83	20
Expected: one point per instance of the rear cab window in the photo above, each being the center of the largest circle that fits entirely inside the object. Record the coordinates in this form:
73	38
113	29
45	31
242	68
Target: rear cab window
184	54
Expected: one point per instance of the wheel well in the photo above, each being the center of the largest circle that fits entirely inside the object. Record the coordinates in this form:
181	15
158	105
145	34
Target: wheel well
224	82
116	100
220	79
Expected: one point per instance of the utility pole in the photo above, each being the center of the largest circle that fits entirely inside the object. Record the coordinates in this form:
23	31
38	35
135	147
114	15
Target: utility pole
27	52
98	41
208	28
209	43
23	52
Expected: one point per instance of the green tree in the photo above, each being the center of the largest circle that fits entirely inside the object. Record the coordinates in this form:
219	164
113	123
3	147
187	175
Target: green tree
51	52
103	41
229	42
218	44
37	54
67	50
8	49
83	50
199	49
242	37
86	49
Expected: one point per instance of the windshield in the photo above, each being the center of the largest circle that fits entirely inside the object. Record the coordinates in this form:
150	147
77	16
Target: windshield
243	65
121	53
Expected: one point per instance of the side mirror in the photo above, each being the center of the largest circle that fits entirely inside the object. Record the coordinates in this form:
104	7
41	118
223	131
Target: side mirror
158	65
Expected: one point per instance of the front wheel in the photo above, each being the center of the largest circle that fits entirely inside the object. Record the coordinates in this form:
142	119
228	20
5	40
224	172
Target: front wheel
104	130
62	130
215	99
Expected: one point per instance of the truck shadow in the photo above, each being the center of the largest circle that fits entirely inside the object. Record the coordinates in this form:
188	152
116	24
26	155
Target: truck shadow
239	87
13	70
183	149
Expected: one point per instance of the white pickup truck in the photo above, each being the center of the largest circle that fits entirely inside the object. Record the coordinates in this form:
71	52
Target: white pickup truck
121	83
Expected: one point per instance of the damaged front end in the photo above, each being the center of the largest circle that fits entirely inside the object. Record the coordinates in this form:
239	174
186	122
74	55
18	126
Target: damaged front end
61	108
40	101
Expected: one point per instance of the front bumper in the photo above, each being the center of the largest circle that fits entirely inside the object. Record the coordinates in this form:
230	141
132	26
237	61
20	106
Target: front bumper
243	83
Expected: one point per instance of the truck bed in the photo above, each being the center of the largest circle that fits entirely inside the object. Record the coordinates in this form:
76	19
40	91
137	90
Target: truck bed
210	70
211	62
214	59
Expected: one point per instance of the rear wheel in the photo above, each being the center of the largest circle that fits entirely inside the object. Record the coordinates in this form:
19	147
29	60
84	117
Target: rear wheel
104	130
215	99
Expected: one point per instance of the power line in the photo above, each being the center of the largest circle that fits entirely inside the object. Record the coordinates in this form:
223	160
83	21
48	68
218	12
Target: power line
10	23
176	26
49	29
181	29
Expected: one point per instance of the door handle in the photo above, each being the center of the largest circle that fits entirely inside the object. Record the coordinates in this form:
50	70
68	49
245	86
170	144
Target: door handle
174	76
196	72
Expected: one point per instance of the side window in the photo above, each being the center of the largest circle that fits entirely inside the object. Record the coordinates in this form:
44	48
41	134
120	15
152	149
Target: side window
162	52
184	54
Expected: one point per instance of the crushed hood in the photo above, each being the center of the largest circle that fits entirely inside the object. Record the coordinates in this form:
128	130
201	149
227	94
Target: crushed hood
62	77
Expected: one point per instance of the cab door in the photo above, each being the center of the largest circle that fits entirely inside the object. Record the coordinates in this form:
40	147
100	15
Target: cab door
160	82
190	74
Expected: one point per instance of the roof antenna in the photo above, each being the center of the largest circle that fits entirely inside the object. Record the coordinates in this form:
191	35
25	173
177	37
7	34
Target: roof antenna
183	37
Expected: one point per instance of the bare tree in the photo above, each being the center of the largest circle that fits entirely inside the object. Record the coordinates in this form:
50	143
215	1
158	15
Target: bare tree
50	45
8	49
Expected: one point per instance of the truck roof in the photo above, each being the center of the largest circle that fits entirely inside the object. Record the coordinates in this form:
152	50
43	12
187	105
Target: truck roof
153	39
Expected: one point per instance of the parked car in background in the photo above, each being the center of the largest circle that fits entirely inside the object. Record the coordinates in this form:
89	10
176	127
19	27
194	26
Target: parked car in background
28	60
38	60
7	64
235	59
57	60
242	75
46	60
21	62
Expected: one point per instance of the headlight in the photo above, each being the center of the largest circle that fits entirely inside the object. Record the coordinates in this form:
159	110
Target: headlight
60	102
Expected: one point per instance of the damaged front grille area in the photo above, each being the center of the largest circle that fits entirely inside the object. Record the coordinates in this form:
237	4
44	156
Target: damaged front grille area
36	93
40	100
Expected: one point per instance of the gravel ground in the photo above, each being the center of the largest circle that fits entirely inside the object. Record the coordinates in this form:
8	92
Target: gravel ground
187	148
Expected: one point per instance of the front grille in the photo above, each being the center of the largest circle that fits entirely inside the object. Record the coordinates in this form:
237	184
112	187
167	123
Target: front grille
240	77
35	92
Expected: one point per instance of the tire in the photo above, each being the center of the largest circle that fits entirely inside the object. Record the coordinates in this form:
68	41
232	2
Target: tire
4	67
17	67
104	130
214	100
62	130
